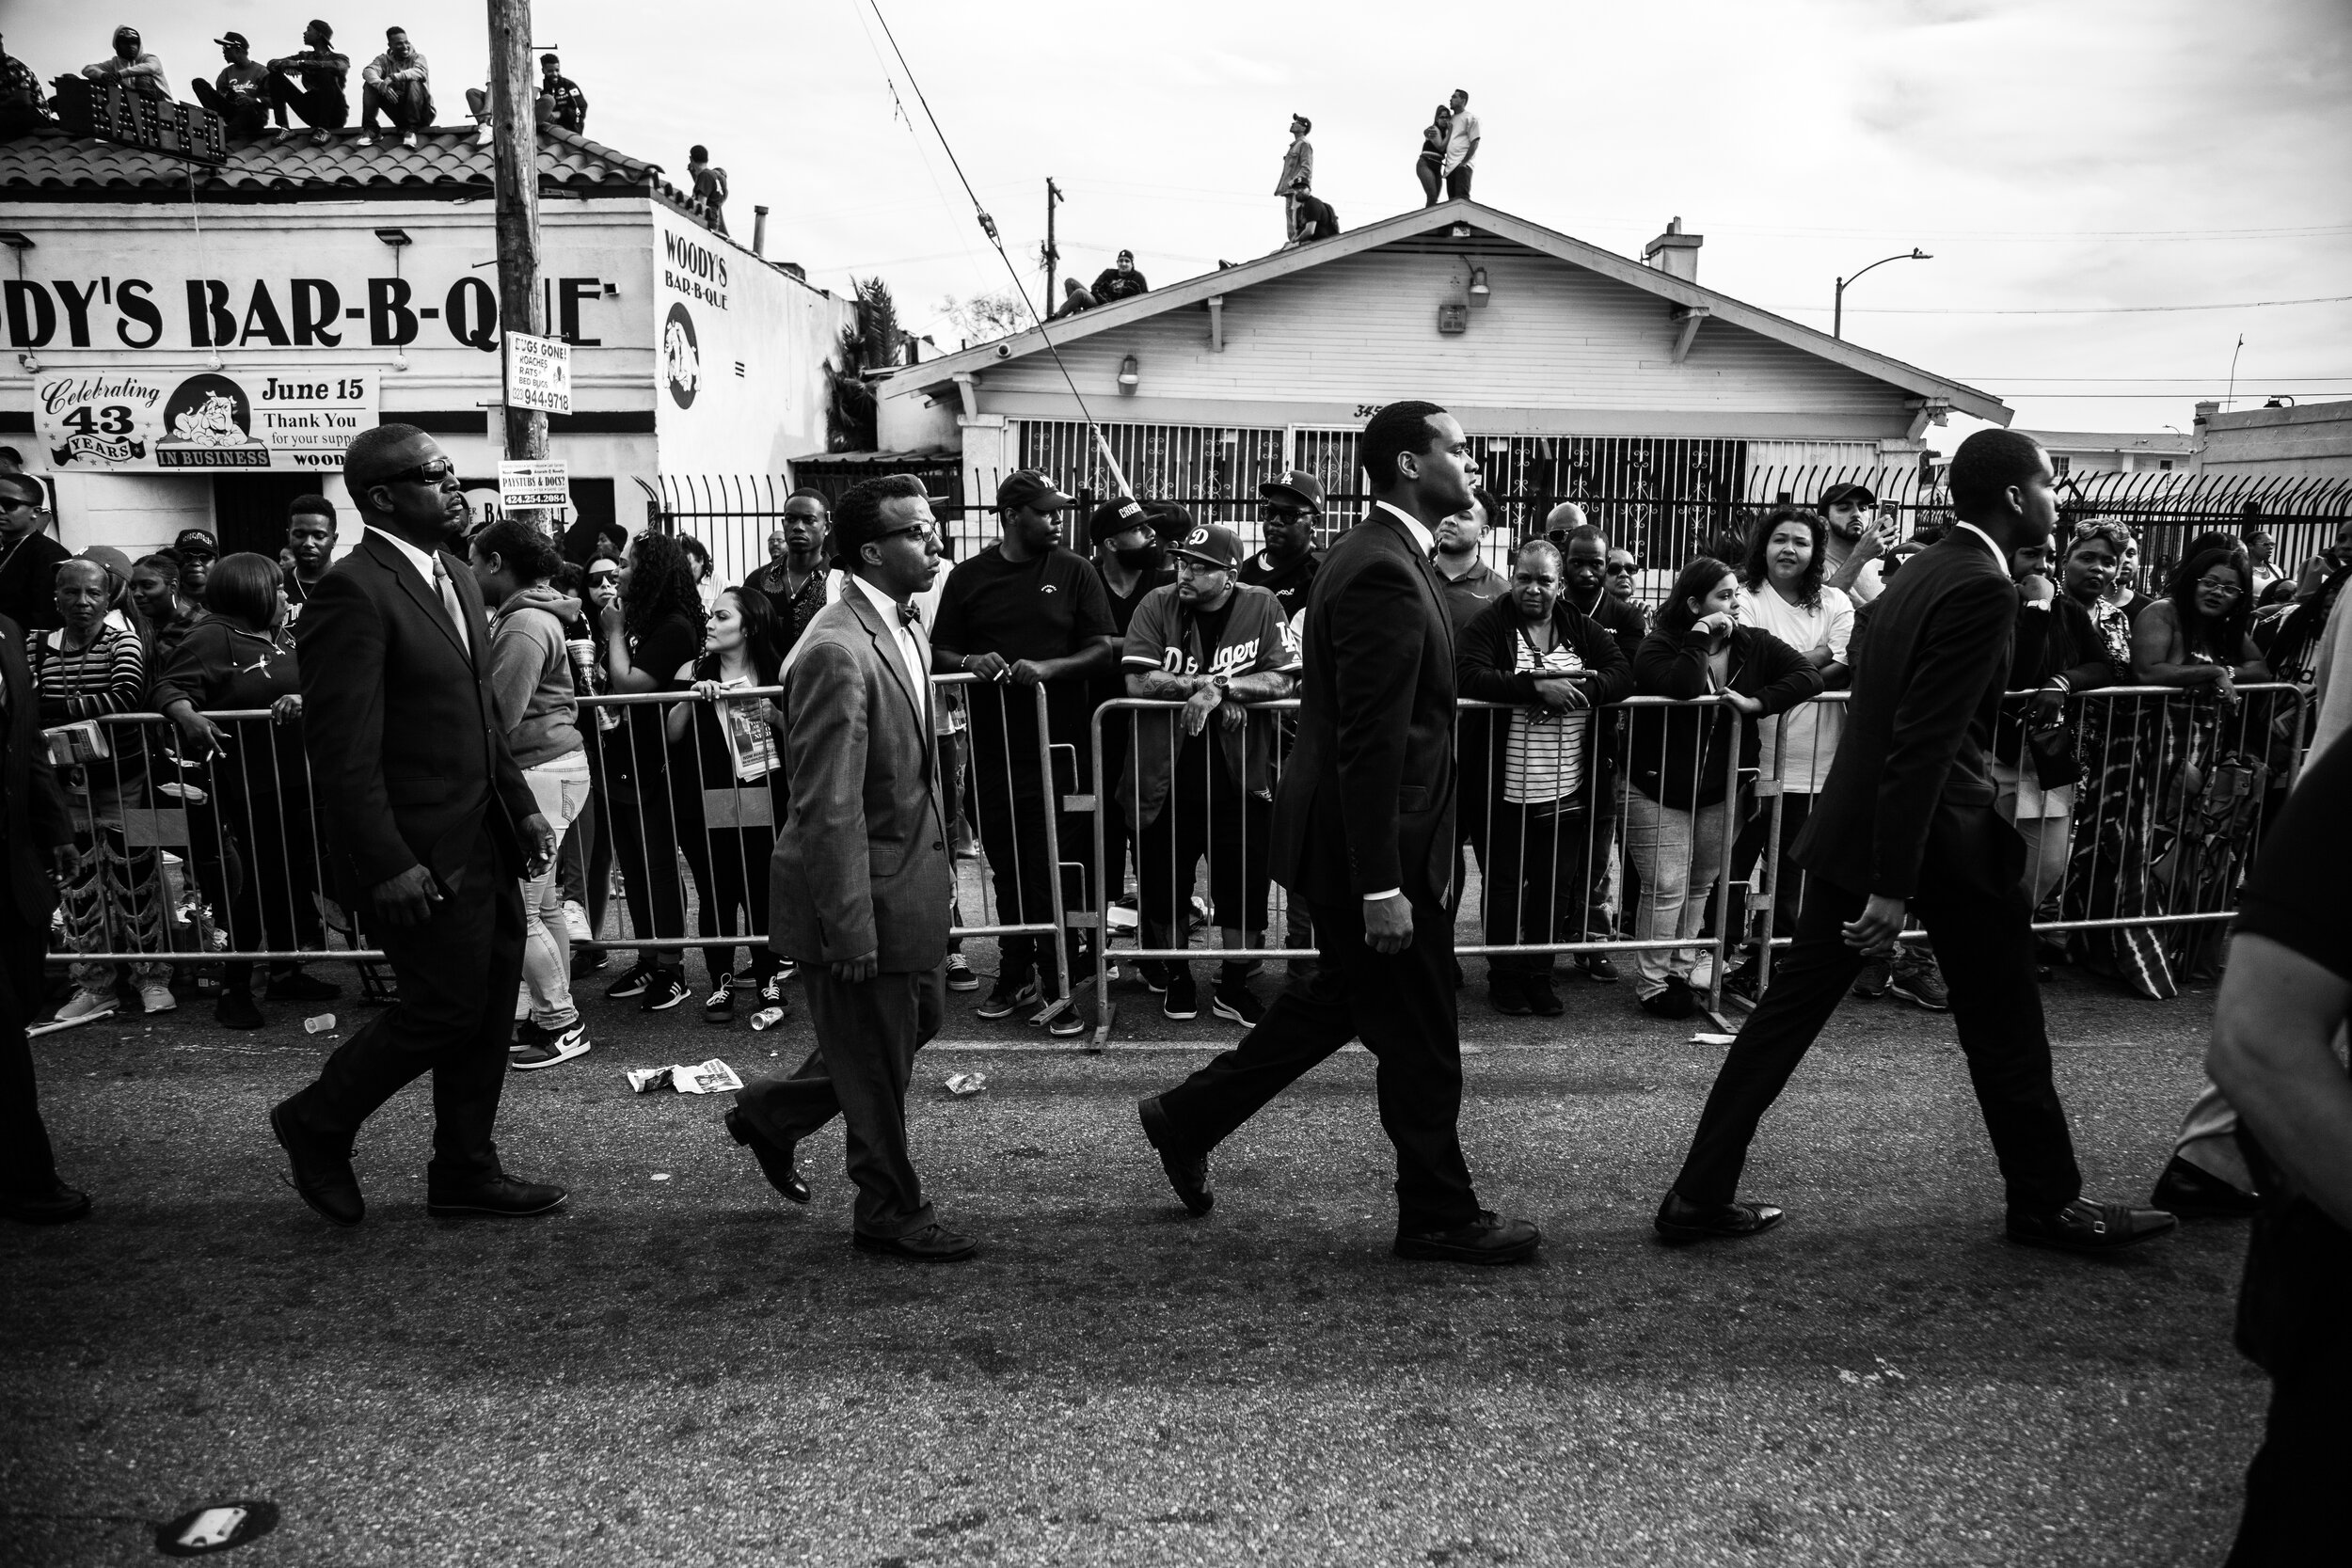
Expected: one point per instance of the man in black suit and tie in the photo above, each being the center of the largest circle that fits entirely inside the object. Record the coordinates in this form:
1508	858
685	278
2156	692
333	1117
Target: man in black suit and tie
427	825
1364	833
859	883
36	854
1906	824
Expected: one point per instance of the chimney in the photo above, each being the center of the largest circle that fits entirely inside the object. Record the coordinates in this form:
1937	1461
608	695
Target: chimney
759	231
1675	253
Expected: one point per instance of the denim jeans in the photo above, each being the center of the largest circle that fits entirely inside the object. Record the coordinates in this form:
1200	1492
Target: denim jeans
1678	855
561	787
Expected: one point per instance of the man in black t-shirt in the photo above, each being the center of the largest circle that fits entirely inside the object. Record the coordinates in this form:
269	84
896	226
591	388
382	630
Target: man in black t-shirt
1023	613
2284	1002
1292	517
1131	559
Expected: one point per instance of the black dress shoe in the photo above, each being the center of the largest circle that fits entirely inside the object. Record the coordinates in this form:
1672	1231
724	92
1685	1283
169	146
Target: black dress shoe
1680	1223
500	1196
1542	1000
2196	1195
58	1205
933	1243
1509	992
2088	1224
323	1176
1187	1171
775	1160
1485	1240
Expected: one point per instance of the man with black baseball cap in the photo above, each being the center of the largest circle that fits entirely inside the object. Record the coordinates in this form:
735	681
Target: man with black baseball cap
1195	787
197	550
240	94
1856	540
1131	555
320	100
1292	515
1024	612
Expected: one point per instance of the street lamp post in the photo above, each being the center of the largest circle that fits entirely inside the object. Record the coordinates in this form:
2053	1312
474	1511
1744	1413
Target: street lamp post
1837	308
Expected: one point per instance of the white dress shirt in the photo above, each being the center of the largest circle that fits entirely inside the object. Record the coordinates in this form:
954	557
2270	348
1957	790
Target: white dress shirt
1998	559
909	643
428	565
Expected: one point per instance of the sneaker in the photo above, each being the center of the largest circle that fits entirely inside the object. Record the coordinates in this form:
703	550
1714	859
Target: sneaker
771	990
85	1005
155	997
1597	967
1007	998
235	1010
1919	979
407	138
593	961
282	133
481	133
1068	1023
1232	999
1740	988
1155	973
666	990
575	922
1676	1001
1877	977
959	975
631	983
719	1006
1183	1000
535	1048
1542	1000
367	138
787	968
1509	992
319	137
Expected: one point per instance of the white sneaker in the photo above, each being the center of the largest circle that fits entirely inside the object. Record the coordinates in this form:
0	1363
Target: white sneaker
481	133
367	138
85	1005
155	997
407	138
575	922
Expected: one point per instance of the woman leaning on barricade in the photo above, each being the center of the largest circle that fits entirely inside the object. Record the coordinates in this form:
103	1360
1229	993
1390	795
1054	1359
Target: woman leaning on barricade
252	826
1679	762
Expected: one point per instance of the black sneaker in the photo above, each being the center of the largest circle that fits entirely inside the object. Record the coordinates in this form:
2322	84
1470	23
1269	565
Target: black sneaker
771	989
1232	999
1182	997
589	961
1676	1001
1740	988
1064	1025
1009	997
719	1006
959	975
535	1047
631	983
1155	973
666	990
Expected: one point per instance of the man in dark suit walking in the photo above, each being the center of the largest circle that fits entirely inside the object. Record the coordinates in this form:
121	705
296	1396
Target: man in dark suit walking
36	854
859	883
428	827
1364	833
1906	824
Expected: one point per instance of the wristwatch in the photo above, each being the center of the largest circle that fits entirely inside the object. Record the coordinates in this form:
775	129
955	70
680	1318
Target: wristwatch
1222	682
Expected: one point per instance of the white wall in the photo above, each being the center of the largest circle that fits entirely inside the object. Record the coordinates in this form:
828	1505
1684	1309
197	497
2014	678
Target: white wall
135	513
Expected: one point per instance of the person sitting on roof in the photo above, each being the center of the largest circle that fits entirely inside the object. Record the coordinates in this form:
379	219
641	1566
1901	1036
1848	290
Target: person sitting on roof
1119	282
320	99
130	65
560	101
240	95
1316	221
1074	298
398	85
710	186
23	104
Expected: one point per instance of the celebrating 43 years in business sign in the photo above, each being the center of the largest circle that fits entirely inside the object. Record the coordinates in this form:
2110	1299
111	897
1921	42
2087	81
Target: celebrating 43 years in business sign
150	421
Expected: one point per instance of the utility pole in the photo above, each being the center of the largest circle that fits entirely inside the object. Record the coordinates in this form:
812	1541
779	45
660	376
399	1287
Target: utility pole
515	131
1053	256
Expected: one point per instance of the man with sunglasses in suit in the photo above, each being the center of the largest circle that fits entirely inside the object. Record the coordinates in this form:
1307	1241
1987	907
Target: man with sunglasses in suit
428	827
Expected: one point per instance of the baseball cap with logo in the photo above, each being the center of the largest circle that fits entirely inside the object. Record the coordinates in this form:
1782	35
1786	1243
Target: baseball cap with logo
227	39
1028	487
1116	515
196	541
1212	545
1297	488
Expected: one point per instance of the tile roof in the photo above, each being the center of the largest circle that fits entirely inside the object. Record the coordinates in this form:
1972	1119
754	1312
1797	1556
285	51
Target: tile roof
54	162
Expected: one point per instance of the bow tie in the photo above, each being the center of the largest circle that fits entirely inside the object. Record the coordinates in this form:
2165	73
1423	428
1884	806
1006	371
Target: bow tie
909	615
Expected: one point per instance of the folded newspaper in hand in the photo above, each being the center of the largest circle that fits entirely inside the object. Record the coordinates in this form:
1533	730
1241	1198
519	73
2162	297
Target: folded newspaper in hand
711	1077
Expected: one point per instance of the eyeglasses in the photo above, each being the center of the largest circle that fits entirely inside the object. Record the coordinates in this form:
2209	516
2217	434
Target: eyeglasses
1285	514
17	503
436	471
2213	585
1625	570
922	533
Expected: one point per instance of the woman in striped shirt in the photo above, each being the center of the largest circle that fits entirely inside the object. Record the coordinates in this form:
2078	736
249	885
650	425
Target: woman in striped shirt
87	670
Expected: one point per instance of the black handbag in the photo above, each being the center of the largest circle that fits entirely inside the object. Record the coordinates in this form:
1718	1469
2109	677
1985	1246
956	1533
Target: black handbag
2055	765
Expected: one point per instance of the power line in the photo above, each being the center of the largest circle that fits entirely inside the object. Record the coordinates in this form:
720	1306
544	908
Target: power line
2067	310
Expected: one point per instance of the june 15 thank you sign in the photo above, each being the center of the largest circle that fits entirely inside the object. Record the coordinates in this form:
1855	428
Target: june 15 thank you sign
171	420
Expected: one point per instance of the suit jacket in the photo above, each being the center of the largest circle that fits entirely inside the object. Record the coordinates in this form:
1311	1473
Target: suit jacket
37	819
1910	783
861	866
1366	803
407	757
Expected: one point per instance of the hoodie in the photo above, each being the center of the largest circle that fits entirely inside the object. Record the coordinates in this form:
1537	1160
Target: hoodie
531	677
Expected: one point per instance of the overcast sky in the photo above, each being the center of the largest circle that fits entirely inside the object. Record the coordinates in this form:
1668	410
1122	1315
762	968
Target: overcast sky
2058	156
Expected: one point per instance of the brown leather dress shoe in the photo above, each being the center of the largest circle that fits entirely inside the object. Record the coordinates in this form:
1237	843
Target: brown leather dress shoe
1488	1239
1187	1171
1680	1223
775	1159
933	1243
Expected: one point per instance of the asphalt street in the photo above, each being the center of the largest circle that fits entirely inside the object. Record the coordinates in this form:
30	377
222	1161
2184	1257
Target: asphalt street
678	1367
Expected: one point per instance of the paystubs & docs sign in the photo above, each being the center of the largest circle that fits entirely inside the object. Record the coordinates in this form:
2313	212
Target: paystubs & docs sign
184	421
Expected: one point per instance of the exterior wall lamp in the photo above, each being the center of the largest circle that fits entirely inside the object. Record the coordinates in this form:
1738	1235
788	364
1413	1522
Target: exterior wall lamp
1130	376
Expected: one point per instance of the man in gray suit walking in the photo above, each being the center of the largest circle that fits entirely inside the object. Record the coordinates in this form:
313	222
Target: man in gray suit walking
859	881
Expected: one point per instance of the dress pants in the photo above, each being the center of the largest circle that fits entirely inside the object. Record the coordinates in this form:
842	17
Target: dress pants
867	1033
458	975
1985	942
27	1168
1401	1005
